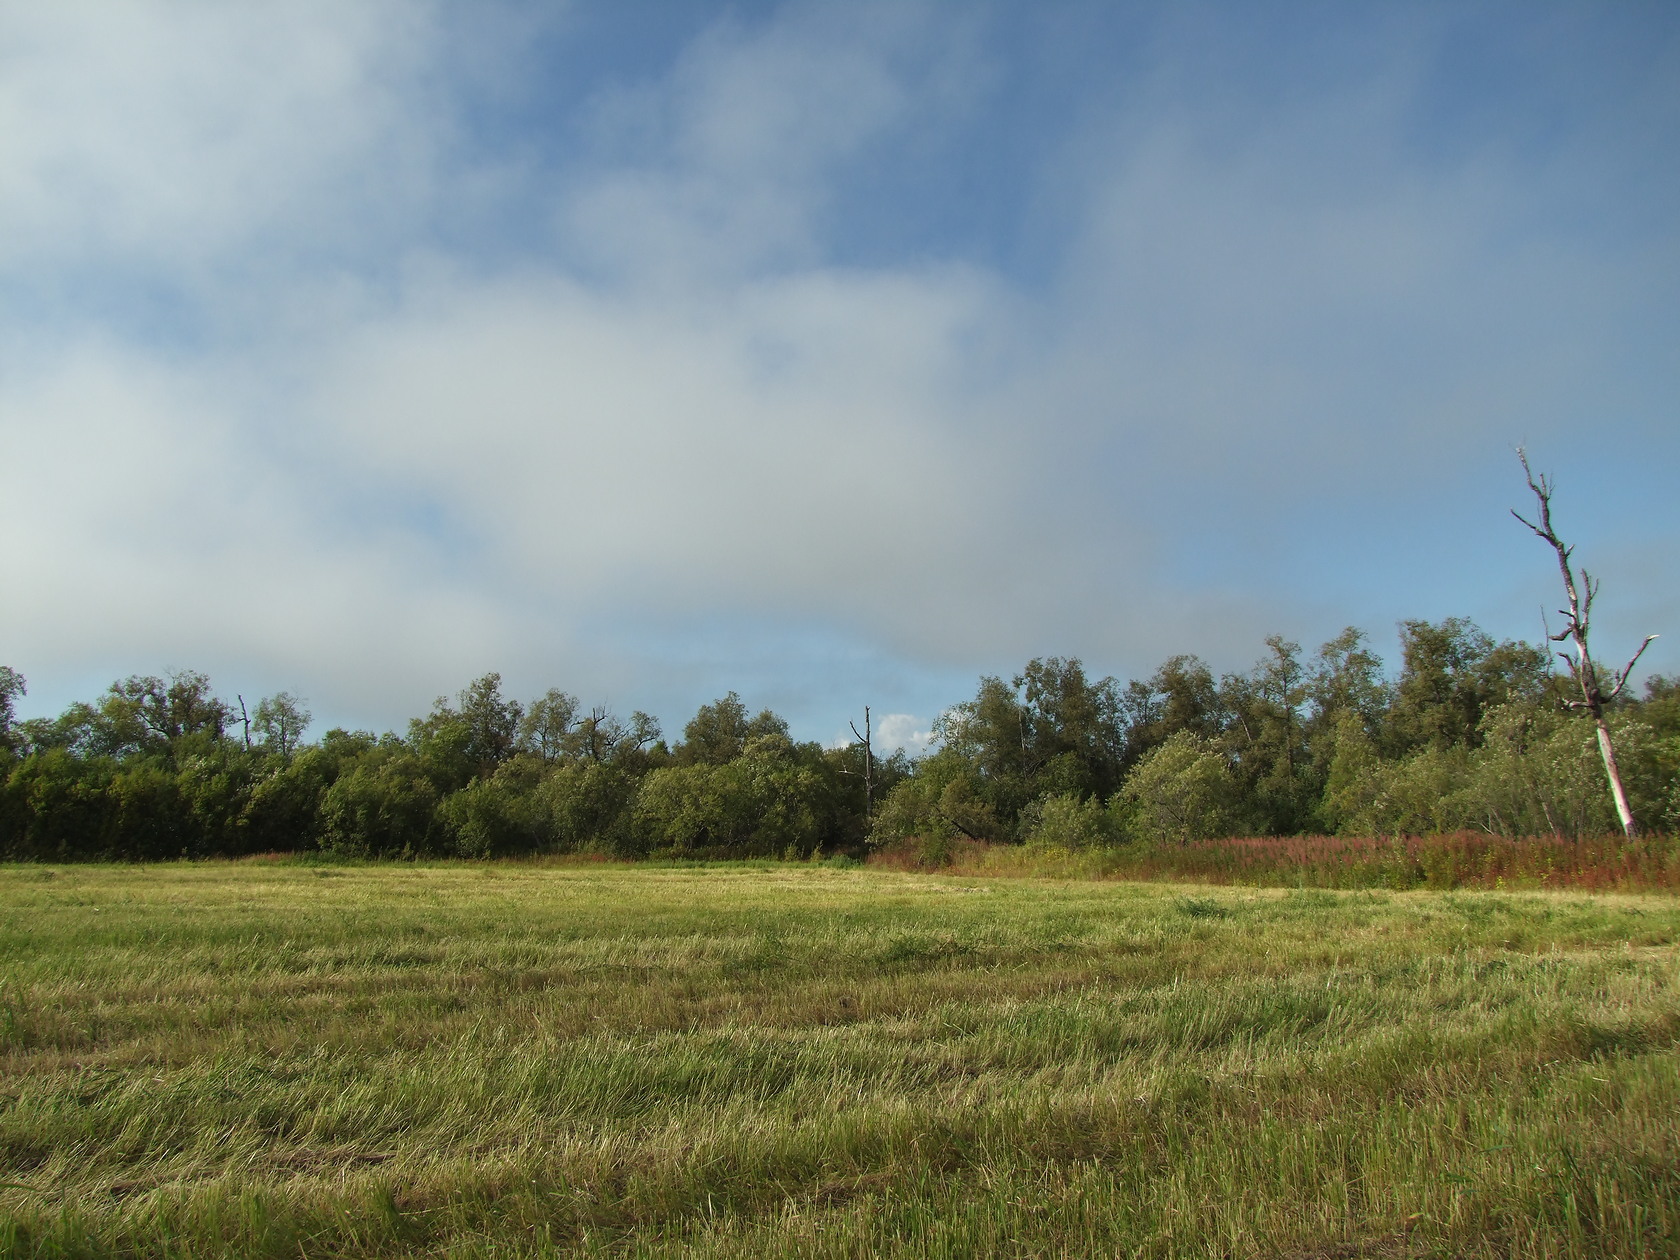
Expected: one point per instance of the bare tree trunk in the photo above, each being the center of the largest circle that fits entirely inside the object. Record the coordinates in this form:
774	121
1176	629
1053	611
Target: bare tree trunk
1607	750
868	770
1576	618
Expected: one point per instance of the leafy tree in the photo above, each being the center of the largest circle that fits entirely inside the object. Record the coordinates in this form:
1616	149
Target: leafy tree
762	802
1075	735
1182	790
12	685
280	721
1347	677
1452	672
1536	774
57	807
383	805
492	723
1180	696
500	816
1266	734
588	807
718	732
1351	785
1428	792
547	725
715	735
169	712
1064	820
1050	729
283	810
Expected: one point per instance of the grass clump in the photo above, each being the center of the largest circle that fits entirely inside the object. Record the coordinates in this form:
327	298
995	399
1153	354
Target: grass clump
273	1059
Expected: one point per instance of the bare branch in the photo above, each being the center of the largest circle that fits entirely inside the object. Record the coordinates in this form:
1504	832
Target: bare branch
1622	676
1576	622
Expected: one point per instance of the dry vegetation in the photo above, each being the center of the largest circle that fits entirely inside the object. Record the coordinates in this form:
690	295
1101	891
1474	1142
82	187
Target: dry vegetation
276	1059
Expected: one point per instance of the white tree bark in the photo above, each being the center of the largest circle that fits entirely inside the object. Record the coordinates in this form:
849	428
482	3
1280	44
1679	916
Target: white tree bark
1575	625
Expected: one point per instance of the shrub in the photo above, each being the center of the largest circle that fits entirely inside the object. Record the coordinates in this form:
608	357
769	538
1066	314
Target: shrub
1064	821
1181	791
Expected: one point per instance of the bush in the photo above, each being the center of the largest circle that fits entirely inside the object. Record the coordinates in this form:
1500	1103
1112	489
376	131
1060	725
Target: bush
500	816
382	807
1064	821
763	803
1181	791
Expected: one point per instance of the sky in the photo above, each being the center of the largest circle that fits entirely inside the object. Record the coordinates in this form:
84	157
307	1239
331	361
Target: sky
833	354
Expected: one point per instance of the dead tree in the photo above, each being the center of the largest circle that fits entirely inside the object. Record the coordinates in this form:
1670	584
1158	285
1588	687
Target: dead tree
868	769
1576	617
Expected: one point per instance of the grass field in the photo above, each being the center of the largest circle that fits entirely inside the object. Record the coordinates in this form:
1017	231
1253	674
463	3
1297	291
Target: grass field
271	1059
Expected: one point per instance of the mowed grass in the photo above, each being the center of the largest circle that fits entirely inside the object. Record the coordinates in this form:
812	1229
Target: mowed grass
263	1059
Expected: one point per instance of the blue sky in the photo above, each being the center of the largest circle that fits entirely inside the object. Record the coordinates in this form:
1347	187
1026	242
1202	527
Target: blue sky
834	354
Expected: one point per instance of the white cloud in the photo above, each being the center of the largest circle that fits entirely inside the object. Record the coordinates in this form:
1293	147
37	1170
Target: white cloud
384	463
162	531
902	730
153	134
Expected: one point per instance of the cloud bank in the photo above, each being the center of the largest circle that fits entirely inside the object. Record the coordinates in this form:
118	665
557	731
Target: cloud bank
829	355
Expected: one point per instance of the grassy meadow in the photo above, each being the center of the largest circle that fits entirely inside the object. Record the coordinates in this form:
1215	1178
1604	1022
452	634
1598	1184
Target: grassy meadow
278	1059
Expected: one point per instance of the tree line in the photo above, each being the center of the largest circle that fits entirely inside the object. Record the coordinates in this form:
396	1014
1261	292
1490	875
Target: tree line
1468	733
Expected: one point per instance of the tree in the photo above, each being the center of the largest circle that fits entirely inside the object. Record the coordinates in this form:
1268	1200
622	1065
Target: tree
1347	677
719	732
868	767
602	736
280	722
12	686
716	734
1181	696
1073	721
547	724
1577	617
1451	673
1267	734
492	722
1183	790
147	715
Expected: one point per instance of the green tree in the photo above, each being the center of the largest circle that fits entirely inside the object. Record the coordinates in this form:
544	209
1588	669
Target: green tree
547	725
764	801
588	806
1266	734
718	732
1066	821
280	722
1180	696
501	816
171	713
1075	735
12	685
1536	774
1182	790
383	805
1347	677
1451	673
491	722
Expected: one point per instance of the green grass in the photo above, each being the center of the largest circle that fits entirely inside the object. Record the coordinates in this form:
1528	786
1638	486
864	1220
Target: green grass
270	1059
